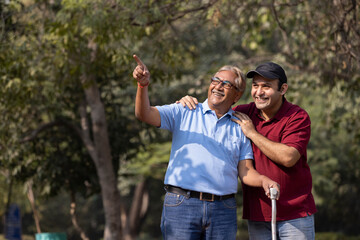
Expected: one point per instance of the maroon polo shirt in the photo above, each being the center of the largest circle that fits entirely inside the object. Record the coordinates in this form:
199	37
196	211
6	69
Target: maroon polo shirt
290	126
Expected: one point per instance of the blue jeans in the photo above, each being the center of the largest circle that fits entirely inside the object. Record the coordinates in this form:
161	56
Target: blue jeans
186	218
295	229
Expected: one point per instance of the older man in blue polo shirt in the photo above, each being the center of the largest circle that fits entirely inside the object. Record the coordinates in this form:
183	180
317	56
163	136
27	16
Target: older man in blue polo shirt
208	153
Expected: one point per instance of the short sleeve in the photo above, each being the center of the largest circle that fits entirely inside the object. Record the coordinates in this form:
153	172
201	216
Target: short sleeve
297	131
169	114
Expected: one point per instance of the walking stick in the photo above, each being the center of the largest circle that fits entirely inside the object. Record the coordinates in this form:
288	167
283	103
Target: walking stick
273	194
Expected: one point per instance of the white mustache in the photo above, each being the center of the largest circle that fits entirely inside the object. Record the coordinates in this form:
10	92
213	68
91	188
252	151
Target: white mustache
218	92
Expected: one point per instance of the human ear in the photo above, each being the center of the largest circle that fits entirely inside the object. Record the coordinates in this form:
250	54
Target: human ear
284	88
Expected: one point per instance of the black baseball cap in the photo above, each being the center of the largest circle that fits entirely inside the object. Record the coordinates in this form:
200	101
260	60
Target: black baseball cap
269	70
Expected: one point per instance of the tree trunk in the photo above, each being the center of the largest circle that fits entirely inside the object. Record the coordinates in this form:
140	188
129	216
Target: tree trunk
100	152
131	221
73	217
9	193
139	207
31	197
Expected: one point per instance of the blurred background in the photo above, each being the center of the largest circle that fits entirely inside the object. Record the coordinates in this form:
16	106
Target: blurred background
74	158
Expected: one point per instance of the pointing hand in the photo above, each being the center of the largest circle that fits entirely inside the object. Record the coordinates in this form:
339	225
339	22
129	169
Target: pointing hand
141	73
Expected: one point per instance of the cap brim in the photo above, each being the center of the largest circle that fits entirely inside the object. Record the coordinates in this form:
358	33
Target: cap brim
267	75
251	74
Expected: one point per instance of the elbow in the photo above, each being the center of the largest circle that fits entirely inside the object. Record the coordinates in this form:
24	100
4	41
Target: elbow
290	158
150	116
139	116
289	162
241	178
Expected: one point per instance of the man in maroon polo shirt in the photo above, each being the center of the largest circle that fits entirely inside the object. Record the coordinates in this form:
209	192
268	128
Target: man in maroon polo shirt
280	132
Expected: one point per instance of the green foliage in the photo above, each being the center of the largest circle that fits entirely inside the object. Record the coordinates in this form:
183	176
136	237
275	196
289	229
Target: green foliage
24	237
47	46
334	236
151	161
337	166
332	157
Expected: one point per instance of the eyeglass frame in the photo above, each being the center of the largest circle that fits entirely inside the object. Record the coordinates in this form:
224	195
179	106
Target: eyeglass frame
224	83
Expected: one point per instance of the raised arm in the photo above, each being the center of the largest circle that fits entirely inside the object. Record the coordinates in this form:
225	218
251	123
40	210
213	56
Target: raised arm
251	177
143	110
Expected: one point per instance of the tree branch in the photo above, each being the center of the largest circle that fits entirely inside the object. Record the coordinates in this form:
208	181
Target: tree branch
180	14
43	127
282	29
74	218
138	207
31	198
85	132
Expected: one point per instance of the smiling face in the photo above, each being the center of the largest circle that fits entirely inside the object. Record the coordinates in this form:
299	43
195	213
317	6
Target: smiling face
220	99
267	96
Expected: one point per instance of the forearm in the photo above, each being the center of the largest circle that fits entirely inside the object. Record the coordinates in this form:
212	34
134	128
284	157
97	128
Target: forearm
143	110
277	152
251	177
248	174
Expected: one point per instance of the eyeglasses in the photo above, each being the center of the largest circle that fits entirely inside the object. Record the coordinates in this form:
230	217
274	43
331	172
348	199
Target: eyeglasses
224	83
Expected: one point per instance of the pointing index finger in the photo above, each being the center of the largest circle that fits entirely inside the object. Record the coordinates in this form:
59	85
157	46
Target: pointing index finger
138	60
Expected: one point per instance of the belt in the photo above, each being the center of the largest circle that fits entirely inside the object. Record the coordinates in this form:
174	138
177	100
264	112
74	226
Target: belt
200	195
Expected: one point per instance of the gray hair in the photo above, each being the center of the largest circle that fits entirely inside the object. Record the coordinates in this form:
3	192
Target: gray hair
240	80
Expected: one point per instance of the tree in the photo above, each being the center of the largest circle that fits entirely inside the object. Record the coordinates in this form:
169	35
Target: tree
70	54
67	101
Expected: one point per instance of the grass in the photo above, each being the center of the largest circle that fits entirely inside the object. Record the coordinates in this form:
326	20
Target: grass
244	236
23	237
334	236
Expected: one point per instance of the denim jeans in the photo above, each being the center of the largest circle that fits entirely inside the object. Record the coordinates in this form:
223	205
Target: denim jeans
295	229
186	218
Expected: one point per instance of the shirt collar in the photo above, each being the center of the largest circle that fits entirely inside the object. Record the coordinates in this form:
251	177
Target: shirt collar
283	109
280	113
206	109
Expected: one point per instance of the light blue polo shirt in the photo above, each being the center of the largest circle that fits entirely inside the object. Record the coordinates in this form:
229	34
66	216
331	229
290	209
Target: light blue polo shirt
205	150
